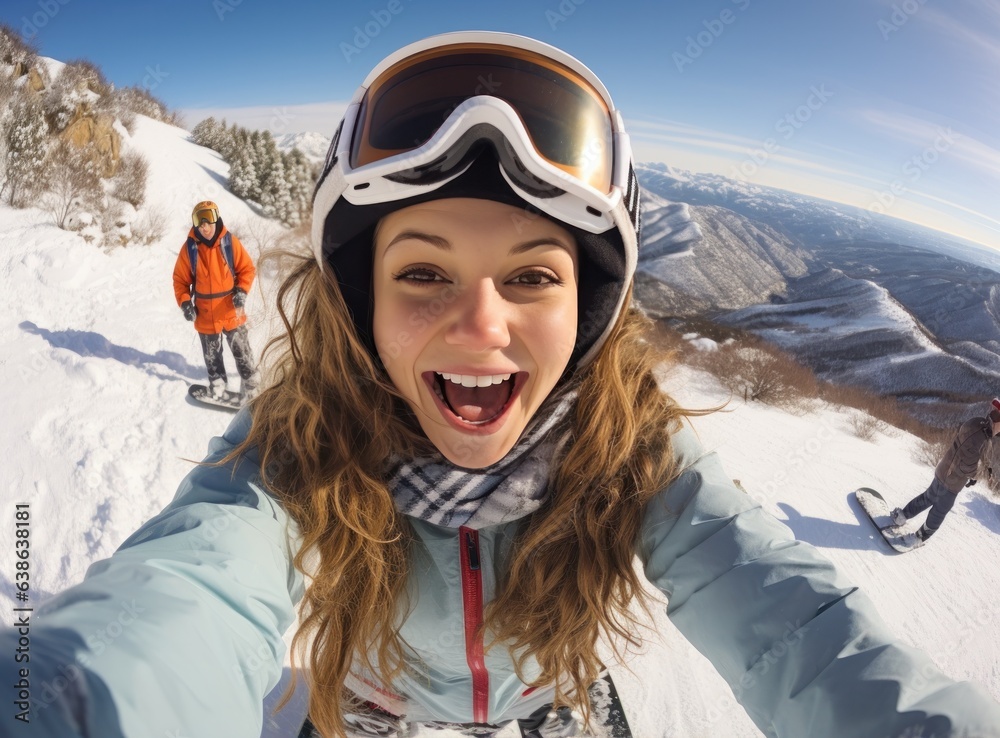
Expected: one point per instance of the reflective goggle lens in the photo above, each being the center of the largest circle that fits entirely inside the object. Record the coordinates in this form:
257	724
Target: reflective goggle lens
566	118
211	216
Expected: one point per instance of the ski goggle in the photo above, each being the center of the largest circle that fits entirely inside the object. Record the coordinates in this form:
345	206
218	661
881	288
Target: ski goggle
210	214
567	119
422	116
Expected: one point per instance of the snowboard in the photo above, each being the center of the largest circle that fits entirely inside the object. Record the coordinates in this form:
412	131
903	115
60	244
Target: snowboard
608	714
877	510
229	401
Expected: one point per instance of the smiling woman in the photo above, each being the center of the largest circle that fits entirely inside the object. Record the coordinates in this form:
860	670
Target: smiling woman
478	371
464	472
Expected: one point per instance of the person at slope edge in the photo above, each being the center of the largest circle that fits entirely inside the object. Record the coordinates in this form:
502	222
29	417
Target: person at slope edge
958	468
212	277
465	447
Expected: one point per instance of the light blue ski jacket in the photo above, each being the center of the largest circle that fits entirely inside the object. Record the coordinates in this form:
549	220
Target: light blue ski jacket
180	631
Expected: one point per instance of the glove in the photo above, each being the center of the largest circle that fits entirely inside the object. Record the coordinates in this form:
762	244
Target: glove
239	298
190	311
970	483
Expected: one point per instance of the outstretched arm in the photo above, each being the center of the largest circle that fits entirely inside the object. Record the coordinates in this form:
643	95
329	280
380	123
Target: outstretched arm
804	652
180	629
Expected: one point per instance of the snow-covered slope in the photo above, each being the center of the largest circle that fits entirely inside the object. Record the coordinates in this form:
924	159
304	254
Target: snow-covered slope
95	359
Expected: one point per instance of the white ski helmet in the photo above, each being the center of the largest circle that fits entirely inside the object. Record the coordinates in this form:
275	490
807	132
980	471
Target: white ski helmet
493	116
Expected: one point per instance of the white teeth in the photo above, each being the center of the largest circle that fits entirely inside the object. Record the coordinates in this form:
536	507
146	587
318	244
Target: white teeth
471	380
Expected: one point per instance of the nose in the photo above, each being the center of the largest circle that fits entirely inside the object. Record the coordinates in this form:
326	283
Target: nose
479	320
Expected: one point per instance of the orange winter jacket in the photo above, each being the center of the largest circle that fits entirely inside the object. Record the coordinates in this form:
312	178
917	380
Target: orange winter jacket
215	282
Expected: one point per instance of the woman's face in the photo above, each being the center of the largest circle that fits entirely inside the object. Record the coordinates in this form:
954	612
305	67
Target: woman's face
475	319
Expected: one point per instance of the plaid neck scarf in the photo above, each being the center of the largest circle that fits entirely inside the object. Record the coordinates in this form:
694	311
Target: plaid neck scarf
435	490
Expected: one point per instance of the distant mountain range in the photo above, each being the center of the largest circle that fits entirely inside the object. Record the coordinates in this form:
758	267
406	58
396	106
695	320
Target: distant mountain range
862	299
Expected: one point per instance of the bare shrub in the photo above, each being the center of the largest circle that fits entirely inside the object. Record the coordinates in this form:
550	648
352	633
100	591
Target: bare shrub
886	409
259	235
14	50
930	449
114	225
757	372
8	89
139	101
150	226
85	73
866	426
73	182
127	102
130	179
25	146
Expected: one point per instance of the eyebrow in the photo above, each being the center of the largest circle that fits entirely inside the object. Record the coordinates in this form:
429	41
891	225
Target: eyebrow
445	245
435	241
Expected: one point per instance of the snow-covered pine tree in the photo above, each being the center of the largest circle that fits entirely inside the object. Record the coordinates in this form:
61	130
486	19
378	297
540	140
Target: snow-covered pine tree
206	133
243	174
300	186
264	158
275	191
26	143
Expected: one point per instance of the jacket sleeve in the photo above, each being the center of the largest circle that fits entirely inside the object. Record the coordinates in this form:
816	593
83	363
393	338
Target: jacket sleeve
179	632
975	438
805	653
245	270
182	277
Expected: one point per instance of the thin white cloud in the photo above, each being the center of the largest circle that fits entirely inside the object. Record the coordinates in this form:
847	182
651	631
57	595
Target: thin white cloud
923	134
970	35
736	150
321	117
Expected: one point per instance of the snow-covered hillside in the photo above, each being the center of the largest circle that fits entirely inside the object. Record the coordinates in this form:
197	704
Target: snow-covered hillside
95	359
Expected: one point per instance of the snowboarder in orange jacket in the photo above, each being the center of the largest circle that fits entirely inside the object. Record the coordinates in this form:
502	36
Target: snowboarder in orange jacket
212	277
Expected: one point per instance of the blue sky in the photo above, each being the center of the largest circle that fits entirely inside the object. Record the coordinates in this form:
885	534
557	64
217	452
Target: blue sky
887	104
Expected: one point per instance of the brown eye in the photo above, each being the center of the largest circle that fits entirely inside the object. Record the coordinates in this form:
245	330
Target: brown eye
417	275
536	279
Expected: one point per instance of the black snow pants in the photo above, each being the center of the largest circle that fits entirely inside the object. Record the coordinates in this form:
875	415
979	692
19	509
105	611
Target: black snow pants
939	499
239	343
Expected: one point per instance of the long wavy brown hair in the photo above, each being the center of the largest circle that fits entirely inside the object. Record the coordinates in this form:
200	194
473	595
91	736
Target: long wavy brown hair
326	429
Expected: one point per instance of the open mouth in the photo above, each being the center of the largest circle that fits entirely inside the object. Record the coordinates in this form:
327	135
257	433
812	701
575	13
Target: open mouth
475	400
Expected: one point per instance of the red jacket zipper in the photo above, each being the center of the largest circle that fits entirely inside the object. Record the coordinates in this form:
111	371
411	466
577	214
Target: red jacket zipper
472	600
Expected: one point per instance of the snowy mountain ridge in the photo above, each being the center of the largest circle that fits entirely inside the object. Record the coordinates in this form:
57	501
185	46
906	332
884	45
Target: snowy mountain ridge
313	145
762	258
